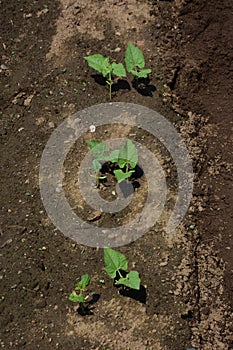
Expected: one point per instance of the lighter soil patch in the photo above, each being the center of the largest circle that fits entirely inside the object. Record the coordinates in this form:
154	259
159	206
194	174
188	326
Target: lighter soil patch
93	18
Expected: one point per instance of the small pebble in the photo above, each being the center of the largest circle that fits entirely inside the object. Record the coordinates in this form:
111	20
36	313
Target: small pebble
92	128
51	125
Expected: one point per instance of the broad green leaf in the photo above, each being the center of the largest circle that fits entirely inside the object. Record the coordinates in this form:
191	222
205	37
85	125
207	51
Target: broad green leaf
131	280
134	57
114	261
98	148
100	63
113	156
96	165
83	283
128	155
142	73
93	143
118	69
76	298
120	175
106	68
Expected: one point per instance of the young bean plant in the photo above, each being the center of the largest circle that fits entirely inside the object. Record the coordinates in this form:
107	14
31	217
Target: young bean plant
77	296
134	62
108	70
116	266
126	158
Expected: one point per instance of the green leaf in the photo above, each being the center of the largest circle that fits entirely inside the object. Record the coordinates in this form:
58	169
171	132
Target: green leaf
118	69
93	143
114	261
98	148
76	298
120	175
113	156
131	280
142	73
96	165
134	57
83	283
100	63
106	68
128	155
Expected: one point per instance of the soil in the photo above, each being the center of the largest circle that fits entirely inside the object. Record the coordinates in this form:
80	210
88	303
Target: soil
186	297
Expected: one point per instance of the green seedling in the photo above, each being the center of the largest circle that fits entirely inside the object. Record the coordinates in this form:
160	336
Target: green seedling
126	157
135	62
108	70
77	296
98	150
121	176
115	262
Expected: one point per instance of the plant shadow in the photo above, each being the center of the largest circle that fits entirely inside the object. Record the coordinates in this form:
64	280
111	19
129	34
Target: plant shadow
127	186
138	295
143	86
120	84
138	173
87	308
99	79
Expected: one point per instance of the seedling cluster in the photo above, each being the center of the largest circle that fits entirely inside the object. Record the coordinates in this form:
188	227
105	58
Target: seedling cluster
134	62
116	266
125	158
123	161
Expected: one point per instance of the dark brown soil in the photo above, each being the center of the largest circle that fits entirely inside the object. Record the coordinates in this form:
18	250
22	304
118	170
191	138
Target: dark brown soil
186	299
